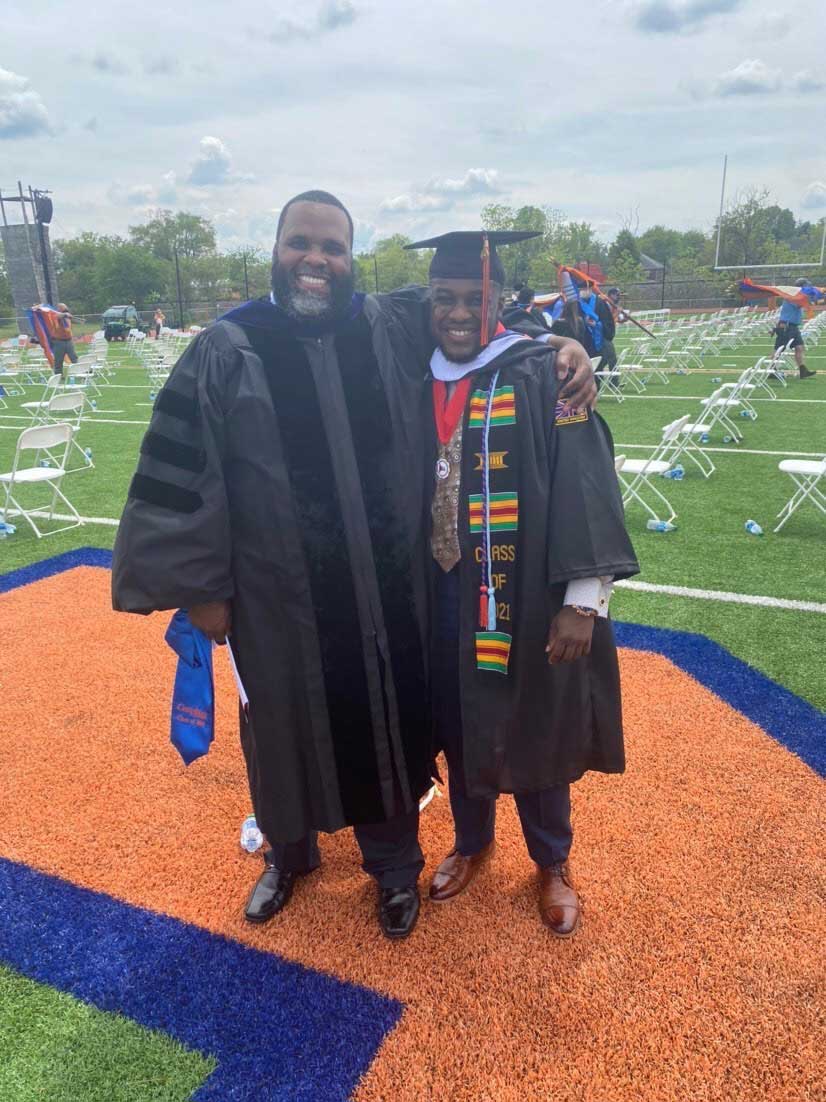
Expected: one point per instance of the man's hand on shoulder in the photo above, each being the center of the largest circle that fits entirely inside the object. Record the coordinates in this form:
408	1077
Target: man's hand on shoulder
214	619
572	360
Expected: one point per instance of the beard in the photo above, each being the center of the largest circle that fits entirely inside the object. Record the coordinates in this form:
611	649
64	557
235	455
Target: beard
304	305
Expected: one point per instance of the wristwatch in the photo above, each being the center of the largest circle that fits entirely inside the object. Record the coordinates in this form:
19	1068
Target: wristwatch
583	610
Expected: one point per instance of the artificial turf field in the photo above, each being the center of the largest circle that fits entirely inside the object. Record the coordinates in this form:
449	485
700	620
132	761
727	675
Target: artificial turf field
697	973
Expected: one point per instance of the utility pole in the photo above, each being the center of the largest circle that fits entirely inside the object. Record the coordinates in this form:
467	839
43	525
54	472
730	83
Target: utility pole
376	272
178	281
662	298
246	277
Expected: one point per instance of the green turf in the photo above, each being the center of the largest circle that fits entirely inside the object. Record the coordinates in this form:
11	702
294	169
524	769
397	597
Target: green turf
54	1048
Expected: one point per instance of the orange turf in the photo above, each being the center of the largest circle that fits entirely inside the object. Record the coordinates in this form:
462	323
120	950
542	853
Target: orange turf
698	971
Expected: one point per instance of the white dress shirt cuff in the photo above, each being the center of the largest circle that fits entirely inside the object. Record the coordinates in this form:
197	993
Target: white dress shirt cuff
590	593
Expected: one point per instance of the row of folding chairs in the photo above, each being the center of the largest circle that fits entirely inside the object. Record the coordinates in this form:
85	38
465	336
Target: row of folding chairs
682	440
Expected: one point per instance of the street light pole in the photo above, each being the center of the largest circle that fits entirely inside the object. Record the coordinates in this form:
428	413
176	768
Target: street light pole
178	282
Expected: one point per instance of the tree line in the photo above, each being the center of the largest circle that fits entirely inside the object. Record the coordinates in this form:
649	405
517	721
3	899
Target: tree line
173	250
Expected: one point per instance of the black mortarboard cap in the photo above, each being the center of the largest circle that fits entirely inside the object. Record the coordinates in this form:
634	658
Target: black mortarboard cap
459	254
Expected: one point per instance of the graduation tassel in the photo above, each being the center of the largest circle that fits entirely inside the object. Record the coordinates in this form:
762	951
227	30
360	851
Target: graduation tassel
483	606
491	609
485	291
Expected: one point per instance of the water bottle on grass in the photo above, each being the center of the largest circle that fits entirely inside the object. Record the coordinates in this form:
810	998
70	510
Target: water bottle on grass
660	526
753	528
251	837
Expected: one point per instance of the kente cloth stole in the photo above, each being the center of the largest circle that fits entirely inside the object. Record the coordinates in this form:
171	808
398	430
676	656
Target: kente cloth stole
492	515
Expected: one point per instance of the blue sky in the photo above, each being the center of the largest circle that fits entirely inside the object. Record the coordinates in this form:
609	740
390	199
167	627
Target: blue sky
415	114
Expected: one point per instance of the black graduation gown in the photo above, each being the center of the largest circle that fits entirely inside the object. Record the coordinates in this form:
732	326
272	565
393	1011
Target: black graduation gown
539	725
284	470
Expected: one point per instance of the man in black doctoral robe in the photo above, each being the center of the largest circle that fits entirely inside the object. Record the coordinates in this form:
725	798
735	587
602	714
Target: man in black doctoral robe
527	537
281	496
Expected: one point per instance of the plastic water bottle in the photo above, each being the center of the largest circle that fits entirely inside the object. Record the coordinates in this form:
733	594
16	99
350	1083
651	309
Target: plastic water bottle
754	528
717	379
6	529
677	473
728	439
661	526
45	463
93	404
681	371
251	837
71	380
704	438
152	395
88	453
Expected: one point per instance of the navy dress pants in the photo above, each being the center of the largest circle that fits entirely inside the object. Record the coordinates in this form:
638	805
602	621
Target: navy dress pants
546	815
390	851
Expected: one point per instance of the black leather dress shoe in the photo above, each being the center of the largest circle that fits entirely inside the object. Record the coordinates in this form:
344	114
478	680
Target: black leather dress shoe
271	894
398	911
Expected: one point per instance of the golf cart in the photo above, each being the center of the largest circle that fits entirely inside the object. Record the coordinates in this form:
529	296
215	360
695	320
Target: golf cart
118	320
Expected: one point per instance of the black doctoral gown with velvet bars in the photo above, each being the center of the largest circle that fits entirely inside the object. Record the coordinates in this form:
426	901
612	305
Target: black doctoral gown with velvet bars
284	470
557	515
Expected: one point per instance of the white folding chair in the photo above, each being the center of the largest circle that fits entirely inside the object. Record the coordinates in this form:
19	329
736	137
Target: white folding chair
40	439
806	474
38	409
642	471
67	408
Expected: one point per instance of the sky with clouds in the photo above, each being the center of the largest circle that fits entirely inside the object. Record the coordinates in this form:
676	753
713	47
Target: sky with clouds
416	114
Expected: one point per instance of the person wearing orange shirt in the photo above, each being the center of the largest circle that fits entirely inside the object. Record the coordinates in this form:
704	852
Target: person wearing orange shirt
62	343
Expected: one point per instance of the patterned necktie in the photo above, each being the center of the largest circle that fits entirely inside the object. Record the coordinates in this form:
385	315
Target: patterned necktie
444	512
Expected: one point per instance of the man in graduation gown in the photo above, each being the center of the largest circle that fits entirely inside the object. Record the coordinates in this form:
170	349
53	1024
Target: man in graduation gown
527	537
281	497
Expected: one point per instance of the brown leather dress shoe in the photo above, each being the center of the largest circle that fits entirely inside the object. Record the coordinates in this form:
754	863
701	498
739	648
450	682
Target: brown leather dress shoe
558	902
456	872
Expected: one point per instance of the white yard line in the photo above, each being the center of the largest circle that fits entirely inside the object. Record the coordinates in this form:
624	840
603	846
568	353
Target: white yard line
734	449
702	397
97	421
108	521
722	595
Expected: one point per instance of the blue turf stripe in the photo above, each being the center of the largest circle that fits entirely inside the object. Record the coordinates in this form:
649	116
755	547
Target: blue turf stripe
46	568
280	1032
793	722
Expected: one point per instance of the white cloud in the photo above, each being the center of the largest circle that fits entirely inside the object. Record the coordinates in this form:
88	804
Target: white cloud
805	81
814	196
22	112
168	190
476	181
330	16
213	166
132	195
679	16
443	192
335	14
750	78
415	203
160	65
